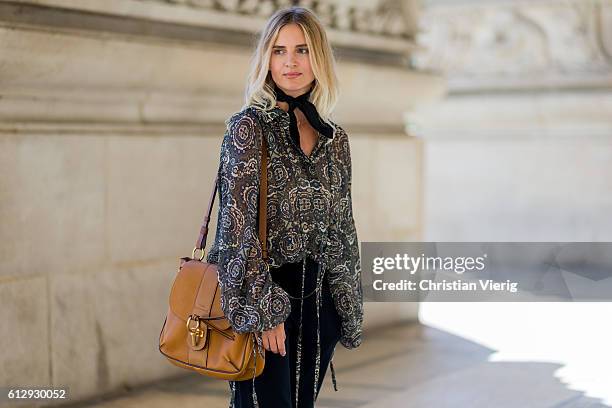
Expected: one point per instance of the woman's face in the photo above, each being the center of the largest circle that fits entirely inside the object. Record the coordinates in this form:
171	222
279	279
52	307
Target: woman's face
290	56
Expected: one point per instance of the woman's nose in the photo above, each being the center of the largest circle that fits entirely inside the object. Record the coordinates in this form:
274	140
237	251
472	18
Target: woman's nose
290	61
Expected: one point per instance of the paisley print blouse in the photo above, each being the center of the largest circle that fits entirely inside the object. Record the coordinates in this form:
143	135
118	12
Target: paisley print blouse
309	215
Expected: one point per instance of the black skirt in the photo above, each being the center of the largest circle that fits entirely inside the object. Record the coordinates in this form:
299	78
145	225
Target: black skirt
289	381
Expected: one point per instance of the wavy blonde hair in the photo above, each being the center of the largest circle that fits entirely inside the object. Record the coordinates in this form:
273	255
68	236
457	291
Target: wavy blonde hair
260	85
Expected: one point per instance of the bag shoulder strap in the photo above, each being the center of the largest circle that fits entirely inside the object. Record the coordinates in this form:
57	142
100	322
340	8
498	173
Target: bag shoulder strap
263	199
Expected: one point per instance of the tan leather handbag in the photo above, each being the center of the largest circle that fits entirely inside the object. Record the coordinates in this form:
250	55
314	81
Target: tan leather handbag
196	335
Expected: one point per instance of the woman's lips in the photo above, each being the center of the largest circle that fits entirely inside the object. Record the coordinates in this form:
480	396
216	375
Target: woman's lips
292	75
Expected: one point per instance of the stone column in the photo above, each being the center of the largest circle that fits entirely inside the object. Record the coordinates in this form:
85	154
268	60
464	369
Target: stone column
520	149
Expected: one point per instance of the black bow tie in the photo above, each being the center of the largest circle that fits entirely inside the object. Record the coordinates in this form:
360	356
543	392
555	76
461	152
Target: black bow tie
308	109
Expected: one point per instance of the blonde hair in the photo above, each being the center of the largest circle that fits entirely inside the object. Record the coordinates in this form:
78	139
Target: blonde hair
260	85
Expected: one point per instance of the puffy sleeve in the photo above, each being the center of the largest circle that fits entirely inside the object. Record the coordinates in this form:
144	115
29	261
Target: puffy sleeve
344	260
251	301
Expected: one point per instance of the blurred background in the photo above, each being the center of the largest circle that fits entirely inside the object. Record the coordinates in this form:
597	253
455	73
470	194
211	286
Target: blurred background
469	120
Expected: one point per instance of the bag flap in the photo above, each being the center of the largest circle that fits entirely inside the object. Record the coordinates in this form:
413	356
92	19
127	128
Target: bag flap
196	291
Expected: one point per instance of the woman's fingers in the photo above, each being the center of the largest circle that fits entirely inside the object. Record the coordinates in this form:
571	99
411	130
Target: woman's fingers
274	339
273	346
280	342
279	332
265	339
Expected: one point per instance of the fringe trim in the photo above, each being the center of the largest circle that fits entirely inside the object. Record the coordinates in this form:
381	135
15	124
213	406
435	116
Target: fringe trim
315	391
333	372
232	386
298	367
257	348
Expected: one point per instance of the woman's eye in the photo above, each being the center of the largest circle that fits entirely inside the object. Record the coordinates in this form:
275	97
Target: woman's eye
300	50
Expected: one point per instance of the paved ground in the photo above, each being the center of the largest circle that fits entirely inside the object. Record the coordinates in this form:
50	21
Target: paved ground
408	366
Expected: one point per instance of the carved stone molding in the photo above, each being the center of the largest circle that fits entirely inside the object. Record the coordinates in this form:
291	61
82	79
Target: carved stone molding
379	31
518	44
62	82
153	66
391	18
515	116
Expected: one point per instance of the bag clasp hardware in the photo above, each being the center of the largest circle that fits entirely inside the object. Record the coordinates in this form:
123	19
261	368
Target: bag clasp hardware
195	331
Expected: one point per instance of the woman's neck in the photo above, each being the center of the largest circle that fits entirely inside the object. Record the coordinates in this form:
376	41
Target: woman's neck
283	105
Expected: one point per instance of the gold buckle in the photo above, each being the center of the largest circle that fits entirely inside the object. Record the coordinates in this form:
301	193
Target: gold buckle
195	332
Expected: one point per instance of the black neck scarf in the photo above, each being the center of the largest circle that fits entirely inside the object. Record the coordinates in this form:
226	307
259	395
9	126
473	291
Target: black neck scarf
308	109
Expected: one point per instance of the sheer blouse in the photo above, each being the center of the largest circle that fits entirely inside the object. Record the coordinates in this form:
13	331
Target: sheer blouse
309	215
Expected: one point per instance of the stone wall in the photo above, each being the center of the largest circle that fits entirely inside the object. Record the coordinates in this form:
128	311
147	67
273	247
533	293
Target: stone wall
111	119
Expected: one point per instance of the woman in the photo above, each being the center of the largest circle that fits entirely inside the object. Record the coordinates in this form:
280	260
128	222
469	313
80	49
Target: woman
308	296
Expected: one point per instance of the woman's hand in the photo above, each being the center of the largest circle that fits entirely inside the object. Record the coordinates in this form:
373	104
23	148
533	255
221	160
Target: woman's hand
274	339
